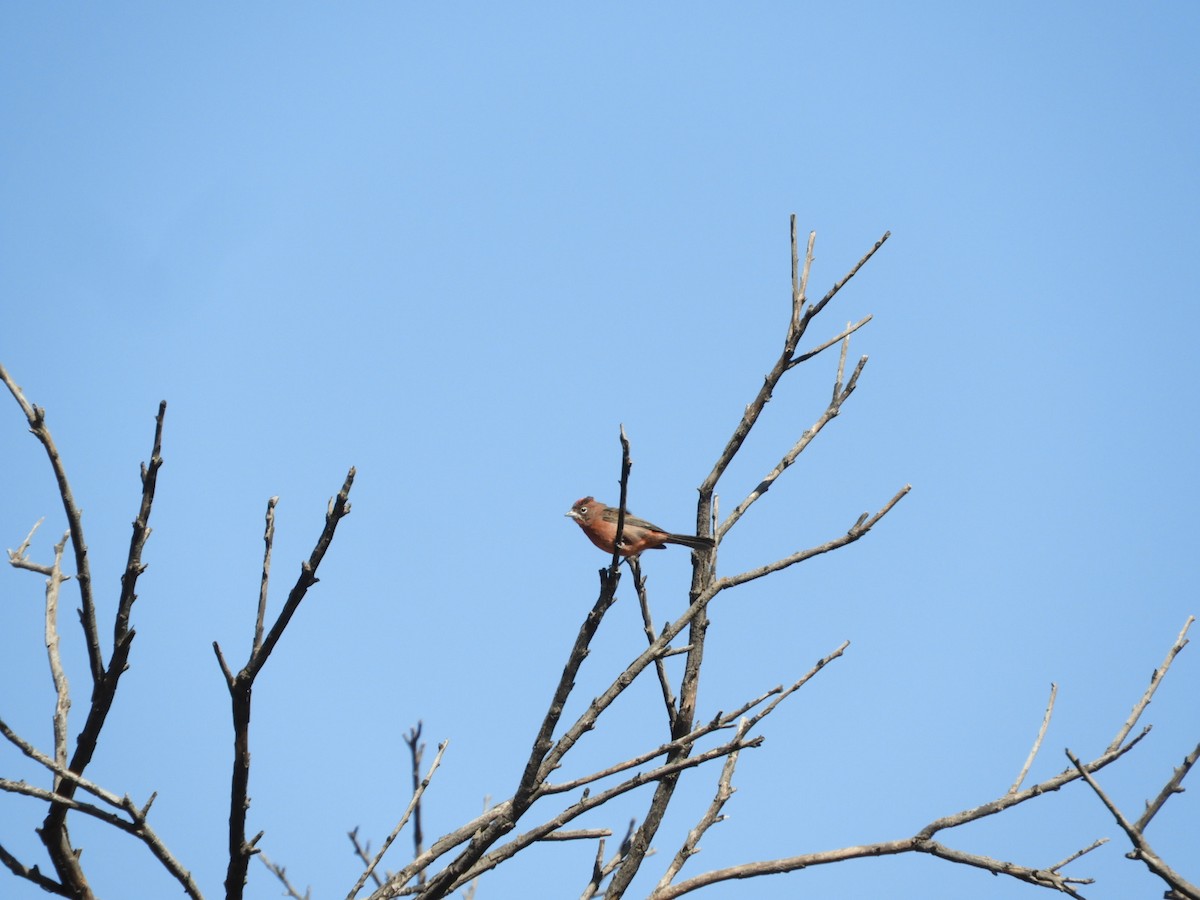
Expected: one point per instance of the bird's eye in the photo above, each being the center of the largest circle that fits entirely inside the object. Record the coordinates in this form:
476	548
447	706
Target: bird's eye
583	510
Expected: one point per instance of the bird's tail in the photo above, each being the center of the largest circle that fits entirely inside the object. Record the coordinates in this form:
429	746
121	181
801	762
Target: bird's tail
690	540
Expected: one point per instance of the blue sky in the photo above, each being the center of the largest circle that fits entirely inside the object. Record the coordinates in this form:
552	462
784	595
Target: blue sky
457	246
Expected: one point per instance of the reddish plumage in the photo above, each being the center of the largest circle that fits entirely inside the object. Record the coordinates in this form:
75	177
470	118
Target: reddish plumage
599	523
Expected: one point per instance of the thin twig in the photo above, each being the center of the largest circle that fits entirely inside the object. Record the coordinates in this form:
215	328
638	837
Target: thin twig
1036	876
799	321
62	691
60	773
90	809
1007	800
362	852
601	869
846	278
593	886
1155	679
1173	786
799	683
831	412
136	826
18	558
1099	842
719	723
711	816
1037	744
626	465
32	873
134	566
269	542
849	330
578	834
416	750
412	804
339	508
648	625
36	416
280	872
857	530
447	842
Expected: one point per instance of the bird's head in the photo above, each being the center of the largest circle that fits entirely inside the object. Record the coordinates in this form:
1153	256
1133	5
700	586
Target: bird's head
583	509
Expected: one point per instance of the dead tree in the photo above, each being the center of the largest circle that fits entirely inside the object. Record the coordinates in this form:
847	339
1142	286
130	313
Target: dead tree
539	808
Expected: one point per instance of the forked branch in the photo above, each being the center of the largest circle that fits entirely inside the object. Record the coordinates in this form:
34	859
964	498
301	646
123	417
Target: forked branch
1179	886
53	832
923	840
36	417
241	685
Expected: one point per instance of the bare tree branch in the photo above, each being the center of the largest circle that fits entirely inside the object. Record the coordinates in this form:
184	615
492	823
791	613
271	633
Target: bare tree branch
416	750
711	816
1141	847
598	874
53	832
241	686
857	530
457	859
849	330
1099	842
280	872
268	545
339	508
846	278
1038	877
1037	744
31	873
36	416
660	668
589	802
141	533
799	321
500	812
674	765
62	691
1000	804
602	869
412	805
831	412
90	809
136	825
538	766
60	773
1155	679
799	683
1174	785
923	841
618	536
19	558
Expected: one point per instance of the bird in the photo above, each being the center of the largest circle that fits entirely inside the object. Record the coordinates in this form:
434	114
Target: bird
599	523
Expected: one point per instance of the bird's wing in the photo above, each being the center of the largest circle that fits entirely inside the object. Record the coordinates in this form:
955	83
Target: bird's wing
631	521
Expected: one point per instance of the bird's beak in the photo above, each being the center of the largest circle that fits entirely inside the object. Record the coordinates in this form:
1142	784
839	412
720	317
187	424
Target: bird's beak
571	514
